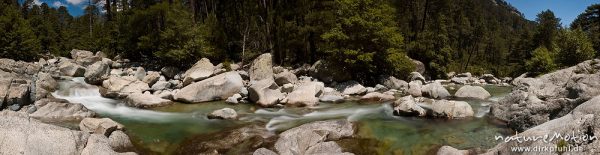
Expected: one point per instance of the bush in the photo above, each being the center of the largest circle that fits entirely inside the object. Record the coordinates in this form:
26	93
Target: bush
399	64
574	47
541	62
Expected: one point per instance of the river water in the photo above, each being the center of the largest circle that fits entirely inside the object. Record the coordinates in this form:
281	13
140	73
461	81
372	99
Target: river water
160	130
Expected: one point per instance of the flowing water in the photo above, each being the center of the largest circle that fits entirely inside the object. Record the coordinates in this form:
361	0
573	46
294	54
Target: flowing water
162	129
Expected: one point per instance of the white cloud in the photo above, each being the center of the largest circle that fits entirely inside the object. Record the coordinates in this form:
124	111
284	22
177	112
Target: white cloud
58	4
37	2
75	2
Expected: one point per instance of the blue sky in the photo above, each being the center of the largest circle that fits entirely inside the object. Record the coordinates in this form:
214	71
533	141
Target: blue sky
566	10
75	7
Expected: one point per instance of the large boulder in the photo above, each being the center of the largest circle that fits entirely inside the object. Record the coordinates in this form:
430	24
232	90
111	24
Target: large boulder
435	90
577	129
200	71
19	67
71	69
265	93
550	96
18	94
351	88
414	88
151	78
261	68
59	110
21	135
140	73
314	138
140	100
44	85
102	126
419	66
307	94
451	109
393	83
84	58
123	86
327	72
169	71
285	77
97	73
406	106
476	92
214	88
100	144
120	142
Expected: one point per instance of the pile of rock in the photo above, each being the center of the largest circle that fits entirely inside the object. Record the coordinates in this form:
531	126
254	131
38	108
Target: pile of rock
409	106
468	78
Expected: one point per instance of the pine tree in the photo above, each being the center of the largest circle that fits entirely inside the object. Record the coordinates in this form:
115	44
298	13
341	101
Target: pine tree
17	40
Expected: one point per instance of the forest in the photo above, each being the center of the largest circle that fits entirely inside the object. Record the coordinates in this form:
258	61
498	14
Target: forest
367	37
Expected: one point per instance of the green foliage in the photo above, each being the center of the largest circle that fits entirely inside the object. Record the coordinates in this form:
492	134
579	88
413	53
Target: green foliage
589	22
17	40
547	29
365	39
575	47
542	62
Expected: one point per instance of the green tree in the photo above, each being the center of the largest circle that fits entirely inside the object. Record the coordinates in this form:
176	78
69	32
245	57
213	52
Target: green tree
542	62
589	22
17	40
547	29
575	47
365	39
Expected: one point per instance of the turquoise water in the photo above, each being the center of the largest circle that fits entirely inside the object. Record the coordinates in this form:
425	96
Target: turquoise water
161	130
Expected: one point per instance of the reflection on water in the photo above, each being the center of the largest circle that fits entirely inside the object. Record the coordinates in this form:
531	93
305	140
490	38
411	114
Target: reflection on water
161	129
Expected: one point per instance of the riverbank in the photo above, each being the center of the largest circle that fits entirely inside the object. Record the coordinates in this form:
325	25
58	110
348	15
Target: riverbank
179	111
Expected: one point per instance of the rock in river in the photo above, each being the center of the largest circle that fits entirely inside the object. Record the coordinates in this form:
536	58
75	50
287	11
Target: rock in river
307	94
261	68
225	113
217	87
476	92
103	126
451	109
406	106
140	100
314	138
435	90
265	93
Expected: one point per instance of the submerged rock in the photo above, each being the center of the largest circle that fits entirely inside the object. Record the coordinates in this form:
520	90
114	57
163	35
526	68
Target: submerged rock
217	87
314	138
476	92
